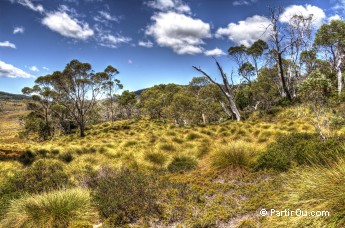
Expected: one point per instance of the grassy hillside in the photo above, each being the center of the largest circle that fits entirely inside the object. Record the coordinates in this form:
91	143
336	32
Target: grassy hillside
202	176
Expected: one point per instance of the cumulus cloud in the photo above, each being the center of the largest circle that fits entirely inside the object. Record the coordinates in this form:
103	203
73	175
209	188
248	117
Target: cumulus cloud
18	30
318	15
168	5
246	32
7	44
147	44
243	2
28	3
108	40
67	26
45	68
34	69
214	52
10	71
334	18
182	33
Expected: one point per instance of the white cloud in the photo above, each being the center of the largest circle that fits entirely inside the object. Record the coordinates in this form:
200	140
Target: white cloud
334	18
108	40
65	25
30	5
10	71
130	61
214	52
7	44
318	15
339	6
18	30
180	32
243	2
168	5
105	17
45	68
246	32
34	69
147	44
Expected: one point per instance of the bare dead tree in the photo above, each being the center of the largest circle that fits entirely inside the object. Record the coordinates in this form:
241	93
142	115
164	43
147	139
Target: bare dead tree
226	90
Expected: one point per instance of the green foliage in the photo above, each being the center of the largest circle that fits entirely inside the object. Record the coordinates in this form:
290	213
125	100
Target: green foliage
182	164
125	196
66	157
234	154
299	149
316	88
42	176
54	209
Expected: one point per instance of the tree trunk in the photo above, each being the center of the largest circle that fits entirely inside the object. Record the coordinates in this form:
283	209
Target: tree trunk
339	75
82	130
282	78
226	90
203	118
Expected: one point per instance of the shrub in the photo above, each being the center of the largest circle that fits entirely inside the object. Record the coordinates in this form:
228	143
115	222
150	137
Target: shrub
66	157
234	154
124	196
27	158
53	209
299	149
182	163
43	175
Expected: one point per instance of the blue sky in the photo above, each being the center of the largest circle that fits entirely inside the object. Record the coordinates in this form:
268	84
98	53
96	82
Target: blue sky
149	41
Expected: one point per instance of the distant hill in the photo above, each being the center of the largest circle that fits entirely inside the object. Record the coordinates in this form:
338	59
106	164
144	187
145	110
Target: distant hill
138	92
11	96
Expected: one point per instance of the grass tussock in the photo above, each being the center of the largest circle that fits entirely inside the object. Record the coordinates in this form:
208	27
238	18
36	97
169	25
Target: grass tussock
54	209
234	154
316	188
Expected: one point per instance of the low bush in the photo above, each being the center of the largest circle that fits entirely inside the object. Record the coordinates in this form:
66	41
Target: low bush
234	154
66	157
27	158
299	149
43	175
182	163
124	196
53	209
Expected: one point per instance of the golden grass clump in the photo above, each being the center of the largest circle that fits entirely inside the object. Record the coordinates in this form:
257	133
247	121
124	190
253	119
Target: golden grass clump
53	209
234	154
316	188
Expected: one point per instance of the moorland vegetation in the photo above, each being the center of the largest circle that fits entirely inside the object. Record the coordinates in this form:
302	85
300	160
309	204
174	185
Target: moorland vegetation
208	154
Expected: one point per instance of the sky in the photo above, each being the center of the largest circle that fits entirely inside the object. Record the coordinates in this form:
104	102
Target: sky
149	41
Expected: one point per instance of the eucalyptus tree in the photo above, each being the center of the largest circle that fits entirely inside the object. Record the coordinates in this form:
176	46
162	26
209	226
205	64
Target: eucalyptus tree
42	95
111	85
287	42
127	100
331	38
